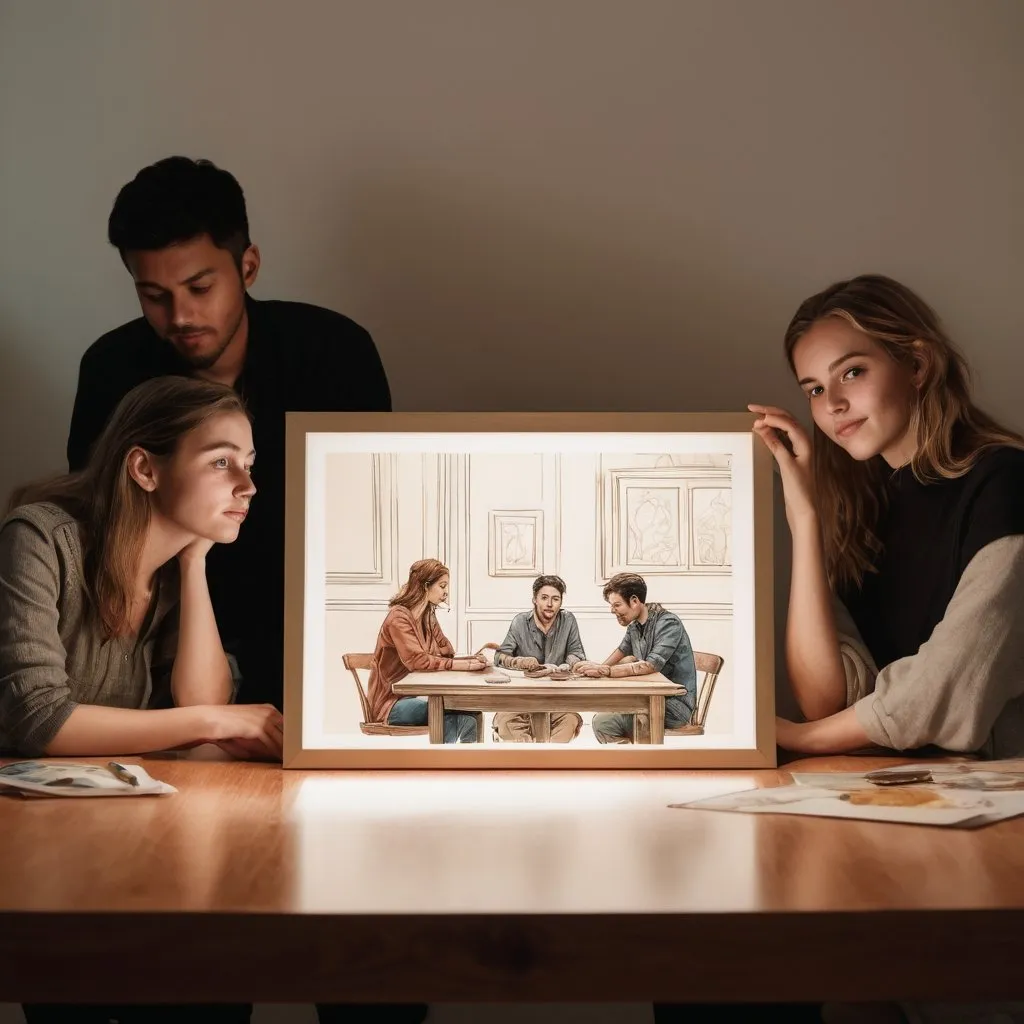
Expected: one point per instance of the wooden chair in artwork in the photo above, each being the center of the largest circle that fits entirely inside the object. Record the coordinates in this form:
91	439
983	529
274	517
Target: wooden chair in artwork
362	662
710	665
357	663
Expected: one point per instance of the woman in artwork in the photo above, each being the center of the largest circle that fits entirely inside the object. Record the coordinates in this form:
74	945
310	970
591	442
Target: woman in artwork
411	640
108	642
907	516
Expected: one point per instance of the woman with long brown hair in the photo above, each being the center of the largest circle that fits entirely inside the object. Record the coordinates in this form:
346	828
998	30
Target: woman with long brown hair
906	508
411	640
108	642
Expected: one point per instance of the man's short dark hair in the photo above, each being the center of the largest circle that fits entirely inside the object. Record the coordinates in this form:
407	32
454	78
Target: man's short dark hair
176	199
627	585
548	581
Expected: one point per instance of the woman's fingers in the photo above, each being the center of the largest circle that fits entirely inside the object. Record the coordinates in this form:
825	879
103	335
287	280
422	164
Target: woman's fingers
262	748
773	443
265	746
772	420
237	750
774	415
754	407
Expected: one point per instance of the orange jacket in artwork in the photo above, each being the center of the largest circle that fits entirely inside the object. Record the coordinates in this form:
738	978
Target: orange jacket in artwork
403	646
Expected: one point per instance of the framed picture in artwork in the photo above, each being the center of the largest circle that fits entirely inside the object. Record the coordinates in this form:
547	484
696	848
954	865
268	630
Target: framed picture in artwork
522	590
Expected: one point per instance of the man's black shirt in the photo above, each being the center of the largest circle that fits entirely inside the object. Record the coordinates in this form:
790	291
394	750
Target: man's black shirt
300	358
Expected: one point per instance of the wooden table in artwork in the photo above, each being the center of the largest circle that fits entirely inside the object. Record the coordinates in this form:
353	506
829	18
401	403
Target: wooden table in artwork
642	696
256	883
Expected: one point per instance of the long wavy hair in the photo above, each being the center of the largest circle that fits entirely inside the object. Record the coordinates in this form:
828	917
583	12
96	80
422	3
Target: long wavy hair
422	575
112	510
951	432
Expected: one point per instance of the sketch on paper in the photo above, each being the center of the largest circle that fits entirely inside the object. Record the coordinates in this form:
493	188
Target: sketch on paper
667	519
516	543
652	522
469	596
911	804
711	516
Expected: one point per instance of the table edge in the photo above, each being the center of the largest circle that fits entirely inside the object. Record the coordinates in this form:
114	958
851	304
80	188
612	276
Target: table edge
296	957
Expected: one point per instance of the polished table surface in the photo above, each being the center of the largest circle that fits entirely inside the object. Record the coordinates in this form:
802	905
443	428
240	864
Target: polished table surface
256	883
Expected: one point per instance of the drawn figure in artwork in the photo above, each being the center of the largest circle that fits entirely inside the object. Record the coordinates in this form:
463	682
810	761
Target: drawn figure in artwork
411	640
655	641
546	637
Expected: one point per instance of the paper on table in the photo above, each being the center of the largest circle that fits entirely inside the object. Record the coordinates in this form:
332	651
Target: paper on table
922	804
62	778
973	775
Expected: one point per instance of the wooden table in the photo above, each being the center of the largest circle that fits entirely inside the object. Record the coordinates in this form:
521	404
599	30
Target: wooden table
642	696
252	883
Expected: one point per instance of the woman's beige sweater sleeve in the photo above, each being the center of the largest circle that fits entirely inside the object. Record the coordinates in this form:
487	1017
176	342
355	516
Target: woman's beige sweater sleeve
964	688
858	665
35	696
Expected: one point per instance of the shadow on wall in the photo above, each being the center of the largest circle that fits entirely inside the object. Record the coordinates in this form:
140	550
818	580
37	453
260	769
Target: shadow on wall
489	298
33	419
785	702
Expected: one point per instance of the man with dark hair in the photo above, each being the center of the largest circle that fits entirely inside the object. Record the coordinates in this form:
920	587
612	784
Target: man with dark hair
655	641
182	231
546	637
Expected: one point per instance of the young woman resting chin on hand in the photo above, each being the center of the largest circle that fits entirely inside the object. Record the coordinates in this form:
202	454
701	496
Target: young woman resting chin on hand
108	642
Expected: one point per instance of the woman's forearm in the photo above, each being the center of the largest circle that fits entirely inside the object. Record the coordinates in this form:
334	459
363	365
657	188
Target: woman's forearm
813	660
201	673
91	730
837	734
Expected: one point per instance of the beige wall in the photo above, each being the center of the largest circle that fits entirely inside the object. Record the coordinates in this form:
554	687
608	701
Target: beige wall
595	204
547	204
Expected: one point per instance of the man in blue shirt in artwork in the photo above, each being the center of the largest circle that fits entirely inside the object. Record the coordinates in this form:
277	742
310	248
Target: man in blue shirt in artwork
546	637
655	641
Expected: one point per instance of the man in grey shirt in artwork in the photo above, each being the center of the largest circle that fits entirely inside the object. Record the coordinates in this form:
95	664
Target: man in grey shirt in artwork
545	637
655	641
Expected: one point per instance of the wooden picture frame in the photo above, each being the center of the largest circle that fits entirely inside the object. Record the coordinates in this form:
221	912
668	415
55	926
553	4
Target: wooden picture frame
368	494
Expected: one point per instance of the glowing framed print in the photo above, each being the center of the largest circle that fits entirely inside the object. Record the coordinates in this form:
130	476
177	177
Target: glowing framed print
521	590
